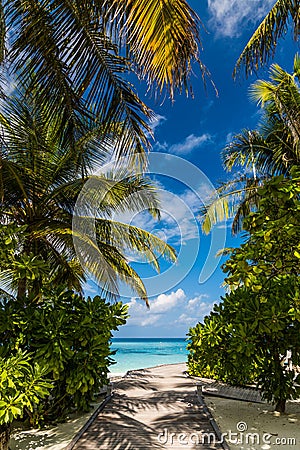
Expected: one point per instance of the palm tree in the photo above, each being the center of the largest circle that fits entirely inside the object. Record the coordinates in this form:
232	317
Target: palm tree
271	150
263	43
84	53
42	176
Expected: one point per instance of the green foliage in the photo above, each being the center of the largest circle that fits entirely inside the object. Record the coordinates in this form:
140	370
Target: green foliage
270	253
263	43
246	337
22	386
69	337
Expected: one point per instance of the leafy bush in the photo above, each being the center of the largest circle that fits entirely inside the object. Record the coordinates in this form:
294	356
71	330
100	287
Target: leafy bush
22	386
246	337
69	338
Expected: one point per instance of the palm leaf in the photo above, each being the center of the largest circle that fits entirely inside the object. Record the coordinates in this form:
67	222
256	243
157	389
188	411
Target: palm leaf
102	195
44	185
236	203
132	238
105	263
76	68
161	37
271	150
263	42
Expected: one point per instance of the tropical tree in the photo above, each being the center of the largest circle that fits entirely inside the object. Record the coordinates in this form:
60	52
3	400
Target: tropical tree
271	150
41	178
83	53
263	43
247	336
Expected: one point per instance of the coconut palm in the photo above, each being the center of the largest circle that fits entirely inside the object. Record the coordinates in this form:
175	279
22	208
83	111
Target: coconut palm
84	53
42	176
263	43
271	150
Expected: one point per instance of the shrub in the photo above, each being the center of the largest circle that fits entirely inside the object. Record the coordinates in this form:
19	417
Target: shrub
22	386
69	338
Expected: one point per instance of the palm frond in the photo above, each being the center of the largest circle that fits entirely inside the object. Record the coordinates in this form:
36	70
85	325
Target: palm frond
102	196
162	38
132	238
281	99
243	150
76	68
272	149
34	50
236	203
2	34
44	185
263	42
106	264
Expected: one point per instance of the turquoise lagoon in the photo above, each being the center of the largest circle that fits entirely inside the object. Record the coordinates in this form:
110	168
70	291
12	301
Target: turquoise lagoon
138	353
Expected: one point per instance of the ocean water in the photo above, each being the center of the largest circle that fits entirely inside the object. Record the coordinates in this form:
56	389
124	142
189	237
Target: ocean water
138	353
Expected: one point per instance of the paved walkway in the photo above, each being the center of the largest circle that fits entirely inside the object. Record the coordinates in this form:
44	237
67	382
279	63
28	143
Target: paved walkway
147	407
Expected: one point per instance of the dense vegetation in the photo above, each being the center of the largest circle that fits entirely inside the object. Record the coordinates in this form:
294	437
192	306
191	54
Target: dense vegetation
45	320
41	179
68	339
246	337
72	109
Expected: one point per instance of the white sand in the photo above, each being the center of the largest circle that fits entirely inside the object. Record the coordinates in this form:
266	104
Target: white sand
55	438
264	429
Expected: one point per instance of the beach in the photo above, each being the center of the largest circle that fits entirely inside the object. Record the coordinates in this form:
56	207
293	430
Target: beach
256	426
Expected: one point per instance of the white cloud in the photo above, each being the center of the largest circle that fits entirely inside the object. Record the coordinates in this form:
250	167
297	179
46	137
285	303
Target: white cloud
160	147
90	288
189	144
164	303
194	311
229	16
197	302
230	137
225	226
157	121
184	319
179	213
198	307
171	309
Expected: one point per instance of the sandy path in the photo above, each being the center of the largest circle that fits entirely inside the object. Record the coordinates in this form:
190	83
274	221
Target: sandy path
148	406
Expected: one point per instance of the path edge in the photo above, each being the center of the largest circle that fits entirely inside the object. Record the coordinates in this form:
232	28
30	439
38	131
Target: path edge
222	440
83	429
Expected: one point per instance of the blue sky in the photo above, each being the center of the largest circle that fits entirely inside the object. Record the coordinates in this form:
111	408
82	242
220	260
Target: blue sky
186	164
